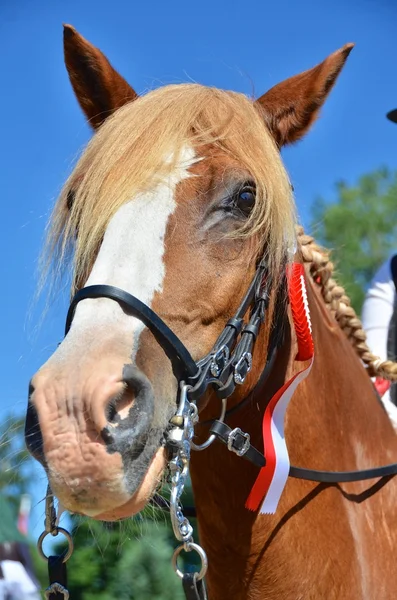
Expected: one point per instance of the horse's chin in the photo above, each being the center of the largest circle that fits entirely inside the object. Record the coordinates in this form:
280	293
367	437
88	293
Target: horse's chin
141	497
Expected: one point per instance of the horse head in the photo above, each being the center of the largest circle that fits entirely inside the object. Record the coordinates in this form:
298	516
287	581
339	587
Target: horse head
177	197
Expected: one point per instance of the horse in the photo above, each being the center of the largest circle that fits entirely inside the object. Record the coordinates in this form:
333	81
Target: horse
178	199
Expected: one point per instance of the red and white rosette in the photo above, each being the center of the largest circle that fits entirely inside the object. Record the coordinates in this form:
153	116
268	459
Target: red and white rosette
272	478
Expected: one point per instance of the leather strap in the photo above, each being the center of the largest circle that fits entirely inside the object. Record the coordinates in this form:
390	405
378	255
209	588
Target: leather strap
230	359
343	476
238	442
193	588
57	589
393	267
307	475
392	341
183	365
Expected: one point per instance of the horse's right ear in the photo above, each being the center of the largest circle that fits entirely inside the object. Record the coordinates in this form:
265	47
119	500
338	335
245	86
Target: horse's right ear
99	89
292	106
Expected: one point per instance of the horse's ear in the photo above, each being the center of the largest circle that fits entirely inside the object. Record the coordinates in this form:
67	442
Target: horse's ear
99	89
291	107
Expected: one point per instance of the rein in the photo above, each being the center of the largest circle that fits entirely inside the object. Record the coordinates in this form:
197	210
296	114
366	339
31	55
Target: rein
224	367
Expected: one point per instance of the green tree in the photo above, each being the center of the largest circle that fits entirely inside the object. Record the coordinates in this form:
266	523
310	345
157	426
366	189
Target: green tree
127	561
360	227
15	461
16	475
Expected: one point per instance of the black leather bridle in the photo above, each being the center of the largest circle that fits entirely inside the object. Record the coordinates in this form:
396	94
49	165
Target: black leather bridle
228	363
230	359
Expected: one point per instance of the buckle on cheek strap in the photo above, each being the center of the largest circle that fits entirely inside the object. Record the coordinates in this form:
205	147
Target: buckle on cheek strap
237	441
272	478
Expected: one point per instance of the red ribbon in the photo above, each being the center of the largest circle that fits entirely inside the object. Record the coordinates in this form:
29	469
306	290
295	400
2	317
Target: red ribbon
273	476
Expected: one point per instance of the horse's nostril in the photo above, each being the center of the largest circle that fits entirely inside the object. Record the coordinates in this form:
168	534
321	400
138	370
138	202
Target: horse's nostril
130	414
119	406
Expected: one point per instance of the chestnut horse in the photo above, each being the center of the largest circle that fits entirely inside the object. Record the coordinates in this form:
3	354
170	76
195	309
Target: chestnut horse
176	198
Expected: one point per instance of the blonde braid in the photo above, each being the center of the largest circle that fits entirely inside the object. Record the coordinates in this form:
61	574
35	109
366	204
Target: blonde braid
336	300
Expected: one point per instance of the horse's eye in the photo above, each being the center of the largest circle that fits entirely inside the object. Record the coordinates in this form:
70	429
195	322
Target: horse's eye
245	199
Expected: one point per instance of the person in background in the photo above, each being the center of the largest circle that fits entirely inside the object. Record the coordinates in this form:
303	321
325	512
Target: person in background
379	318
17	577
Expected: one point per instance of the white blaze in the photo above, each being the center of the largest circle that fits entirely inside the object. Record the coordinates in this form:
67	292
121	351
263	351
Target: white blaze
131	256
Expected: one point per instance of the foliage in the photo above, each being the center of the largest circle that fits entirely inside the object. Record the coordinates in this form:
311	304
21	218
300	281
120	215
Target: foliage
14	461
360	227
39	566
16	467
127	561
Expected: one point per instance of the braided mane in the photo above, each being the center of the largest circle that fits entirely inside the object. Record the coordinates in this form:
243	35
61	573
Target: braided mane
338	303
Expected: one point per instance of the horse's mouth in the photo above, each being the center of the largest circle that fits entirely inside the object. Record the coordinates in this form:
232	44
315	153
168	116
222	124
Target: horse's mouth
148	487
151	483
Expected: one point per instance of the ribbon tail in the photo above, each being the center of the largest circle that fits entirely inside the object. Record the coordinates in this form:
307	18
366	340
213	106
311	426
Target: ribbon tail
273	476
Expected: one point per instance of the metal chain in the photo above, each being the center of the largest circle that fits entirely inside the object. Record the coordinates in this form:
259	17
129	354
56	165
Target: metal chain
51	528
181	436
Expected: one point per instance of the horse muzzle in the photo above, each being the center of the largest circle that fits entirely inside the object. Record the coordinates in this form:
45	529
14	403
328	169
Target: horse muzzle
97	444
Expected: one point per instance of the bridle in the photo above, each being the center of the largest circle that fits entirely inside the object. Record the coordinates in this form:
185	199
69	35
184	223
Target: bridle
224	368
226	365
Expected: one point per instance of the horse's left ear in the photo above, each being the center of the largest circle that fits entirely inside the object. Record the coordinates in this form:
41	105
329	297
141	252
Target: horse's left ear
99	88
291	107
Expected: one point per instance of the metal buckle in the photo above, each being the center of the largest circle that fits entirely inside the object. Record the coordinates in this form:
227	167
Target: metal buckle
56	588
242	368
219	360
232	438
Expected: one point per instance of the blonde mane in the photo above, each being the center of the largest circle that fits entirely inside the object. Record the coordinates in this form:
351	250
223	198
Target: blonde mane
127	156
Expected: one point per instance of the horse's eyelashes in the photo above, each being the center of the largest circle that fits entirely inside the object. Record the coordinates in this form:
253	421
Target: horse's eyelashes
244	198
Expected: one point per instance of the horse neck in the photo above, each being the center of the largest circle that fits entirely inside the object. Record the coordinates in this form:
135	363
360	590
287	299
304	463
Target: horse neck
336	409
334	422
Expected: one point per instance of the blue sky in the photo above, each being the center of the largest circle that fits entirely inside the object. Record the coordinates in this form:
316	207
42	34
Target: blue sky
244	46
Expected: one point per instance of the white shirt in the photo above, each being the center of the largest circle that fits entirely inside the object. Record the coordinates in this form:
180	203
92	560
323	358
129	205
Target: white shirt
377	312
16	585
